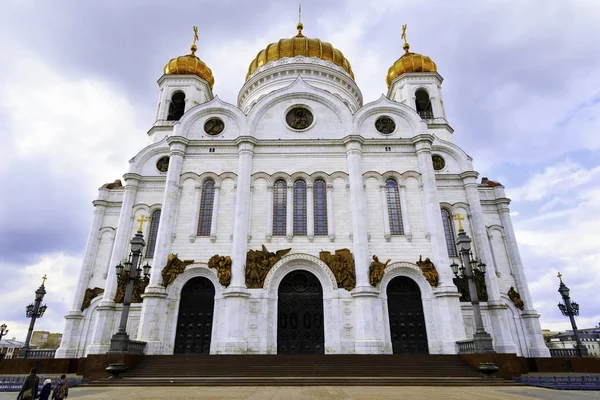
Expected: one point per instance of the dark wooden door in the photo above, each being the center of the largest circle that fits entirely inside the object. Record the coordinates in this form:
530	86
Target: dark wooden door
194	324
407	322
300	315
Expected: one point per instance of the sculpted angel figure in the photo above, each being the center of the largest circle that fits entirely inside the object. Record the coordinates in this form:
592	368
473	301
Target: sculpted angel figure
429	271
376	270
174	267
223	266
515	297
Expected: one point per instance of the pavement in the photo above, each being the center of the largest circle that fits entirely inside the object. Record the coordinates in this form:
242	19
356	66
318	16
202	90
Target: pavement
322	392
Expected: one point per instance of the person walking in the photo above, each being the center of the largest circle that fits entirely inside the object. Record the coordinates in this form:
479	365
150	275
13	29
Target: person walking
46	389
61	390
29	390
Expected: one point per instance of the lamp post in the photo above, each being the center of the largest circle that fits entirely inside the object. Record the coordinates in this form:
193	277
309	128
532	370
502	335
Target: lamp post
34	311
571	309
119	343
482	340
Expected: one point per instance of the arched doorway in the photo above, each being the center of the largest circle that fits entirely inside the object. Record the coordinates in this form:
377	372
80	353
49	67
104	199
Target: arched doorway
194	323
300	315
407	322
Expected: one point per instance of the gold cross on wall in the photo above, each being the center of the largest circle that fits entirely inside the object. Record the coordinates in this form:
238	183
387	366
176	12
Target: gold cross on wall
560	277
460	220
141	220
44	280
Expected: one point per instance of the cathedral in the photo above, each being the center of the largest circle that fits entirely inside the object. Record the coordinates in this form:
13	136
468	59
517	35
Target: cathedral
301	220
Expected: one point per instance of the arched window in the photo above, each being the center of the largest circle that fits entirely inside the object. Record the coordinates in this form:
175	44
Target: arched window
177	106
423	104
299	207
279	207
394	210
320	207
206	207
152	234
449	233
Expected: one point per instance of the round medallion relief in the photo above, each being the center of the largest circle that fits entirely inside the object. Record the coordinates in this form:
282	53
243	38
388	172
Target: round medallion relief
385	125
299	118
163	164
214	126
438	162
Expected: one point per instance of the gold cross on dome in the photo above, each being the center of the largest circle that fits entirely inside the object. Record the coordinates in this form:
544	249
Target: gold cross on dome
403	33
559	276
195	34
141	220
44	280
460	220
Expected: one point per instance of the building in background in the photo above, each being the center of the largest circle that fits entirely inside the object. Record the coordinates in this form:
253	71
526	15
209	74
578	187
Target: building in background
590	338
10	348
45	340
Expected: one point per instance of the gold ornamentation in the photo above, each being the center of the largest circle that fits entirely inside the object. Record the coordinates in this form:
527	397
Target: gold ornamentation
174	267
223	266
376	270
141	220
44	280
559	276
114	185
460	220
190	64
195	35
342	265
404	34
463	287
409	62
429	271
90	294
139	286
515	297
258	265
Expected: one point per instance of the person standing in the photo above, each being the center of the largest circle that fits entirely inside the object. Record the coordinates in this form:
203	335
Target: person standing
46	389
29	390
61	390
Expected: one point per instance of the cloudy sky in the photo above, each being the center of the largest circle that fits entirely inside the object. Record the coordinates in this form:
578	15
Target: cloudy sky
78	93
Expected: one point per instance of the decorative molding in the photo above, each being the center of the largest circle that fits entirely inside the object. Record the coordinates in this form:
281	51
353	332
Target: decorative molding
289	263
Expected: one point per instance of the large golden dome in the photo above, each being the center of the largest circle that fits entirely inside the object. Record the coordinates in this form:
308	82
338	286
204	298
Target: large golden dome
410	62
190	65
299	45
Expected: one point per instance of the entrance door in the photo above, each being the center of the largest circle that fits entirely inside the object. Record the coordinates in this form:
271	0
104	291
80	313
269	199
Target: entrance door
300	315
407	322
194	324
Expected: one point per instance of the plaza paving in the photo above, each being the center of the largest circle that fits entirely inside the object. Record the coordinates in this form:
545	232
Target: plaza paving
322	392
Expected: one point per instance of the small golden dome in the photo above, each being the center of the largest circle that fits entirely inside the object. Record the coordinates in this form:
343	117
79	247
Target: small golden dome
190	65
409	62
299	45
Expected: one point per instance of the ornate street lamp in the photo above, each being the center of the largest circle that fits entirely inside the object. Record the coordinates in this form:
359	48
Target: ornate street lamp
468	264
571	309
34	311
3	331
128	274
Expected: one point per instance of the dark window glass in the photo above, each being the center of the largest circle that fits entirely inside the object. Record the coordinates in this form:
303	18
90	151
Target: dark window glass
279	208
423	104
177	106
299	207
394	210
449	233
152	234
206	207
320	207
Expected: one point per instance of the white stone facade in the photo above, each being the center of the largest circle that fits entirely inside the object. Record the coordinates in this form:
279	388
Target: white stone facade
341	147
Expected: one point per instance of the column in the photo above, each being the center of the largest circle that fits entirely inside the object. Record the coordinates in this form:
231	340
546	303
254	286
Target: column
447	304
155	306
289	223
250	212
531	319
105	326
330	226
386	213
269	234
503	342
310	212
404	210
69	346
367	305
231	337
215	213
196	216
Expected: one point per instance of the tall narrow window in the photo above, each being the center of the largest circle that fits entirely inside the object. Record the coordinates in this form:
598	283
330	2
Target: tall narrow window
279	208
206	207
320	207
177	107
394	210
152	234
449	233
423	104
299	207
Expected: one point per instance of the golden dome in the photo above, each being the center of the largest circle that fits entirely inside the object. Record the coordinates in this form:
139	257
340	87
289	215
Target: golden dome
299	45
190	65
410	62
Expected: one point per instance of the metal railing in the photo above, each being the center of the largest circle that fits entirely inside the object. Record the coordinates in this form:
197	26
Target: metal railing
426	114
564	353
585	382
466	346
135	347
14	383
38	353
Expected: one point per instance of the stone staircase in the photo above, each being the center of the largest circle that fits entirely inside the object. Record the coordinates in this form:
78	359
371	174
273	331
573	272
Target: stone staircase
302	370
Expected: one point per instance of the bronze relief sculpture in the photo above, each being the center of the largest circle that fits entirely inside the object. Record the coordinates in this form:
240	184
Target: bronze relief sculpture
223	266
429	271
342	265
463	287
90	294
258	265
174	267
139	285
376	270
515	297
